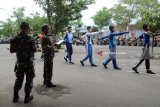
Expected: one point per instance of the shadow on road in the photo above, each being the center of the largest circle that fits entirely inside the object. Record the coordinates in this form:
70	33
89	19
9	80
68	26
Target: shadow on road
58	91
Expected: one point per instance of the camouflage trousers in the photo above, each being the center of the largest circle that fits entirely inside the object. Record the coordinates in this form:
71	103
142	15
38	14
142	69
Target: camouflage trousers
21	71
48	68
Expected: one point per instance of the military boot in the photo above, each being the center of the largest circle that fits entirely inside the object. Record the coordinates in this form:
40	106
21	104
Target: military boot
50	85
44	82
15	96
28	98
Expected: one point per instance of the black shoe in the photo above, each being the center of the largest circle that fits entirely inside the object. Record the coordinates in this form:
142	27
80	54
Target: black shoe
93	65
42	57
71	62
82	63
44	82
65	59
117	68
135	70
15	98
105	66
50	85
150	72
28	99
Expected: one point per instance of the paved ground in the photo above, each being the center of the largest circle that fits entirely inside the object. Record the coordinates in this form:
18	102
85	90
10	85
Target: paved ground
86	86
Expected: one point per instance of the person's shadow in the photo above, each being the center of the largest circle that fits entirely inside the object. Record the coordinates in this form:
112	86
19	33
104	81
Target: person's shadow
55	92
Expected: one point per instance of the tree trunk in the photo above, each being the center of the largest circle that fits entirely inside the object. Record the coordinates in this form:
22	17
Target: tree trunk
62	34
48	13
18	21
152	45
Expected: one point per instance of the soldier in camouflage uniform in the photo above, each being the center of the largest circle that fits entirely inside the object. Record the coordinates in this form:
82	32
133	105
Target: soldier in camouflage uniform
48	50
24	47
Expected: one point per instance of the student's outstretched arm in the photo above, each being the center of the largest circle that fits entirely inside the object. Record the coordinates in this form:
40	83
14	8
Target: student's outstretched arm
118	34
140	37
104	37
93	33
113	34
75	37
152	34
156	34
82	37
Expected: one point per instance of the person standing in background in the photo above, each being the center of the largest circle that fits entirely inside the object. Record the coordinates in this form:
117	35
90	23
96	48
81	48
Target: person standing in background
48	52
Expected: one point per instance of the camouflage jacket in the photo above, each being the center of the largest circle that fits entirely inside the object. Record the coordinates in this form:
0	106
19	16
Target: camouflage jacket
23	45
46	43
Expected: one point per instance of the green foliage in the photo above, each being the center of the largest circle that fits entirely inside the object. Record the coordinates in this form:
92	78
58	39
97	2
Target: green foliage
7	28
10	28
145	11
95	28
77	23
62	12
124	12
36	22
18	14
150	14
102	18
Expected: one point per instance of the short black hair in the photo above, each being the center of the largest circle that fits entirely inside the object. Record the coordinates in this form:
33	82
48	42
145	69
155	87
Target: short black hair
145	26
44	27
69	27
24	25
89	27
111	27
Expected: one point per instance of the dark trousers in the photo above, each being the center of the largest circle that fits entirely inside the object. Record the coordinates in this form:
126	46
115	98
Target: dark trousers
114	61
48	68
147	63
69	51
145	56
30	74
112	57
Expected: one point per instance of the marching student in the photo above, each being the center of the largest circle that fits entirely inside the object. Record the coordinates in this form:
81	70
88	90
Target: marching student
89	46
69	41
145	55
112	47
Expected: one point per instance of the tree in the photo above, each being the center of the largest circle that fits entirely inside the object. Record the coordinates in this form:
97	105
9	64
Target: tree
8	28
18	14
102	17
149	13
77	23
36	22
124	12
146	11
61	12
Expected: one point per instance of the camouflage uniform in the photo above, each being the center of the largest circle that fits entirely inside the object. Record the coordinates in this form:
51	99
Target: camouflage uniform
48	59
22	44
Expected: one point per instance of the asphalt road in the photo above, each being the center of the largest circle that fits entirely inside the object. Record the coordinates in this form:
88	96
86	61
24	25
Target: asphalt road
86	86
